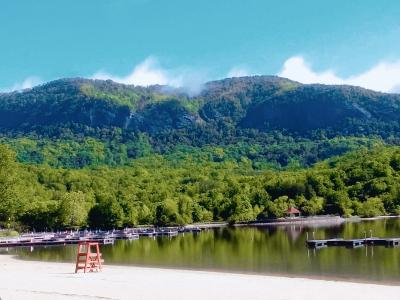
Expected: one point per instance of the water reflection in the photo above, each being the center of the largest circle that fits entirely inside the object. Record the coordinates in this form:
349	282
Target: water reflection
269	250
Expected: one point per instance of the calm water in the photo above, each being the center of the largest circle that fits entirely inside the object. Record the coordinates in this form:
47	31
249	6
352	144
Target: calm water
267	250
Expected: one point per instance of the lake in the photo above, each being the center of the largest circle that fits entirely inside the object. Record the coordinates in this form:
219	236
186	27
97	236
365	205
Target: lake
262	250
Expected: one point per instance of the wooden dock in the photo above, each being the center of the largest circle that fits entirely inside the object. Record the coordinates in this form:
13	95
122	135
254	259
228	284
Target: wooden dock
353	243
102	237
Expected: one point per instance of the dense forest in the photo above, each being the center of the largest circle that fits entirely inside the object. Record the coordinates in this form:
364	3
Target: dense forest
164	190
78	152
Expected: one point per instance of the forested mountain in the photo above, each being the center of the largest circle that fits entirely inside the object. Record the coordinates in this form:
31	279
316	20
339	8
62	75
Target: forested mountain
78	152
249	103
269	120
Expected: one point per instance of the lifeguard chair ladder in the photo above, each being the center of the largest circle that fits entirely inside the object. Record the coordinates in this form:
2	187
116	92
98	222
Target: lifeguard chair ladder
87	260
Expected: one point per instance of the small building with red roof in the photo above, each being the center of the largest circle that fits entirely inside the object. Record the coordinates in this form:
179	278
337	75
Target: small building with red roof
293	212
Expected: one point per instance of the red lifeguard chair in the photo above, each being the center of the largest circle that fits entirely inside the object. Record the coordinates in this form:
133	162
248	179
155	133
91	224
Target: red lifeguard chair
88	260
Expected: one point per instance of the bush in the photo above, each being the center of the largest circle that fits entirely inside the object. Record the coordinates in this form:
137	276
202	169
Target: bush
371	208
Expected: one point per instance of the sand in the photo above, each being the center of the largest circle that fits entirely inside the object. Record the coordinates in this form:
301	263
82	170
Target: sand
44	280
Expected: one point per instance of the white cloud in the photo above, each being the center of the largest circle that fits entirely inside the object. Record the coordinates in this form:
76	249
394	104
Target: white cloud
295	68
238	72
149	72
396	89
384	76
26	84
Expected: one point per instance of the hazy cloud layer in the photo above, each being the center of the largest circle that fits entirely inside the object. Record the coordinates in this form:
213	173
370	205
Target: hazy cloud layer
26	84
146	73
150	72
384	77
238	72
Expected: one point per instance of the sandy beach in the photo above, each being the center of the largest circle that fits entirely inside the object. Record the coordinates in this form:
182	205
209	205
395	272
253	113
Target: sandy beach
43	280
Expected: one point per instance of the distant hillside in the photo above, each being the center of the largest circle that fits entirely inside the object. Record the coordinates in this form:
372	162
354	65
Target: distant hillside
262	102
259	110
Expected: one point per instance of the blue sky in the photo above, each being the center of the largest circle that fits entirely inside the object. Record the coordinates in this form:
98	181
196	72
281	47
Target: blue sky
184	42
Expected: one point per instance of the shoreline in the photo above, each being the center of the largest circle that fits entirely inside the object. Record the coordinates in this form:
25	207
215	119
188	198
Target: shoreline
313	220
21	279
310	220
385	282
335	278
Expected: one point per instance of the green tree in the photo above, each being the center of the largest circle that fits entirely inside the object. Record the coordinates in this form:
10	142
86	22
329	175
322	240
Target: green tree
10	203
167	213
279	206
313	206
338	202
106	214
242	209
371	208
74	208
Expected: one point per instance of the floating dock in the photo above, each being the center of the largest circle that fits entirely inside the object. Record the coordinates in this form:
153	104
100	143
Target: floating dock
353	243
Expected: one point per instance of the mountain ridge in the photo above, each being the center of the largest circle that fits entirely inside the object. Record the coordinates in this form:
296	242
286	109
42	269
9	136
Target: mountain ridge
258	114
267	99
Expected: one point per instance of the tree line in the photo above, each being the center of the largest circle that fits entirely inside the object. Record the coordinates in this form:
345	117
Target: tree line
169	190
